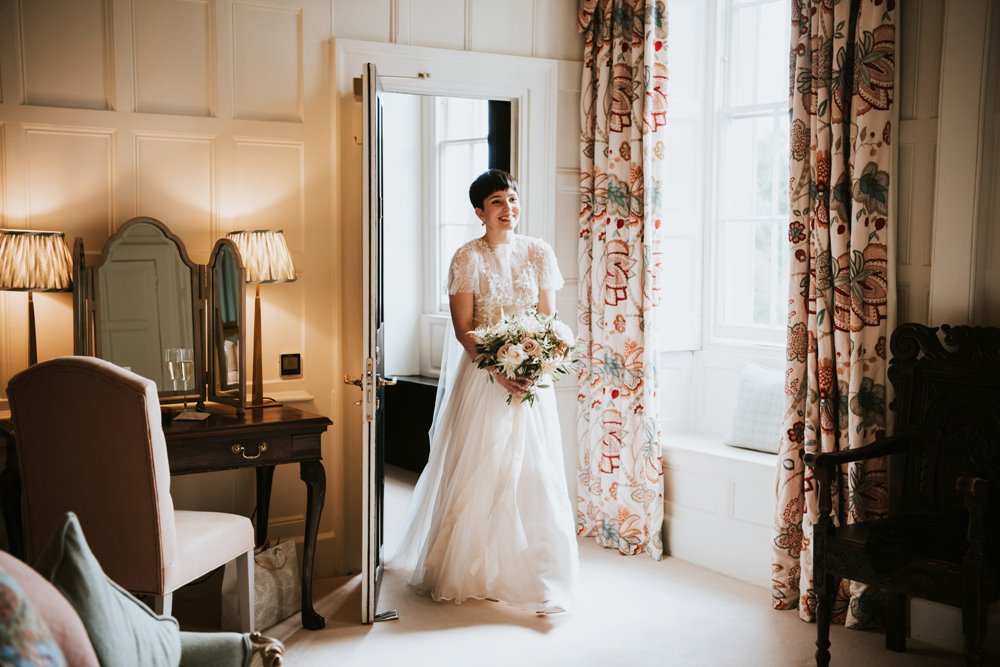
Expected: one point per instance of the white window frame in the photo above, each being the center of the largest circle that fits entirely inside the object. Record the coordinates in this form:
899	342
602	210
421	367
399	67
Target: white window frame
717	334
432	151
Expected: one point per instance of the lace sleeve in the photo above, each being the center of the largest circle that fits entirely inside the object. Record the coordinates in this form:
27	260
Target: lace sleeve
549	276
463	271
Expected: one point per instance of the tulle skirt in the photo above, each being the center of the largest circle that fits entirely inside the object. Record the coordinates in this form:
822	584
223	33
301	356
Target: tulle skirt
490	517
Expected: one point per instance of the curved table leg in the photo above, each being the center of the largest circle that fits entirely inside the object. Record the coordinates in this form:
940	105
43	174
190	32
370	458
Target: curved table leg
313	474
10	497
265	475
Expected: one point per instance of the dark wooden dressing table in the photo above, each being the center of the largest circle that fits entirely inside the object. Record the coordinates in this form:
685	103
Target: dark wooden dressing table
259	439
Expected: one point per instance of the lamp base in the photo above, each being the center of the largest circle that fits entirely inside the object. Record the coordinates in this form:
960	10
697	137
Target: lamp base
257	398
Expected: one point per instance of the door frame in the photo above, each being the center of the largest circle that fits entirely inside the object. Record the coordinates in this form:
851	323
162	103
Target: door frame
532	83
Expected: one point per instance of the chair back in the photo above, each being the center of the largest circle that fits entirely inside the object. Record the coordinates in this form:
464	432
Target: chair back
90	441
947	388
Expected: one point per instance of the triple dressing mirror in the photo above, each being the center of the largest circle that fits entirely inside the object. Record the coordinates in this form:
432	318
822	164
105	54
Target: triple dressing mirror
145	306
226	289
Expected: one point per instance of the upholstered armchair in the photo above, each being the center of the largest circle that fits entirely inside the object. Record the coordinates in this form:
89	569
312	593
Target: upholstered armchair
68	612
941	538
90	441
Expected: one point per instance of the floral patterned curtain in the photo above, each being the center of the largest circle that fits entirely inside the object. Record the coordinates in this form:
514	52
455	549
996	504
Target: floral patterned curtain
842	78
623	114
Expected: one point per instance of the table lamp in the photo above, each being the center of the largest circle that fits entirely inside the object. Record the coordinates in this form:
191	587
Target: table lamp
34	261
266	260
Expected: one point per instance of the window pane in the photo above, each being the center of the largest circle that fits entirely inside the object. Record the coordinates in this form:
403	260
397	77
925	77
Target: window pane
460	164
748	162
759	71
463	118
752	274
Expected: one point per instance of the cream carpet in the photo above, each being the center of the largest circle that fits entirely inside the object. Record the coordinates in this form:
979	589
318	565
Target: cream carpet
629	611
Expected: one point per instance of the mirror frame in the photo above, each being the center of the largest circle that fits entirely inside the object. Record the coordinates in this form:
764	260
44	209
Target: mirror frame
81	315
237	397
90	337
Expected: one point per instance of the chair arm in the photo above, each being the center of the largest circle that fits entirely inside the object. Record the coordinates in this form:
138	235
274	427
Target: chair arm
267	651
974	491
230	649
896	444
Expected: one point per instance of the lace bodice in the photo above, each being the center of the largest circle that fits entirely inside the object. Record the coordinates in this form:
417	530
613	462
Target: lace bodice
503	278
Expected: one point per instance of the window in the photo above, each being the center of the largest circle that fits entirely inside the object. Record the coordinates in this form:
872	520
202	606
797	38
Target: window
748	247
725	252
461	133
469	136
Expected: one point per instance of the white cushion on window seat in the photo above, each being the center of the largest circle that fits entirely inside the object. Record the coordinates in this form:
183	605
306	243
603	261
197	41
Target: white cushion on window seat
760	409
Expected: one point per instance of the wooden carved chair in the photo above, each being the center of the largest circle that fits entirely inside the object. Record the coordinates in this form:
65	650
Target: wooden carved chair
941	538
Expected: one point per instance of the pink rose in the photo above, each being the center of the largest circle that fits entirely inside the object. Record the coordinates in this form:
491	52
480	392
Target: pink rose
531	346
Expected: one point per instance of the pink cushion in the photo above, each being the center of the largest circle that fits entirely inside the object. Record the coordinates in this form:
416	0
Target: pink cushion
64	624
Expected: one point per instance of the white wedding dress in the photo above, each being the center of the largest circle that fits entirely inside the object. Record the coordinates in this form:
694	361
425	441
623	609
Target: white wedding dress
490	517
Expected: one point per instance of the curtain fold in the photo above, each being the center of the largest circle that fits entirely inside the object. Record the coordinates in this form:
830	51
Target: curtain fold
842	87
623	114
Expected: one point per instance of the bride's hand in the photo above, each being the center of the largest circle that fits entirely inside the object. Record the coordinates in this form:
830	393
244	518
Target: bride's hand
518	387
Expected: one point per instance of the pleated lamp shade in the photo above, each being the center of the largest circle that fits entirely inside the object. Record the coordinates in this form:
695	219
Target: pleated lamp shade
266	260
265	256
33	261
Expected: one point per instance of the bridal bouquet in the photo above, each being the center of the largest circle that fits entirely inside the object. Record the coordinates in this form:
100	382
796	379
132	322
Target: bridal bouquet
529	345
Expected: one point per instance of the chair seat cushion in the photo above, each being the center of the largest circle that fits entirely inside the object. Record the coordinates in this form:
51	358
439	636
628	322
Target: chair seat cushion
205	541
123	630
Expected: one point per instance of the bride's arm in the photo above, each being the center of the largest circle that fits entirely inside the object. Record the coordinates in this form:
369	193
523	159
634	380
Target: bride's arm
461	320
546	301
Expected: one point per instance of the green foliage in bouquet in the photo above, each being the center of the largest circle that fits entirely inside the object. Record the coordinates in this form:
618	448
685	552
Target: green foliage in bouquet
530	345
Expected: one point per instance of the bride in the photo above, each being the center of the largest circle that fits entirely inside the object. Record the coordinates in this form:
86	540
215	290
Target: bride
490	516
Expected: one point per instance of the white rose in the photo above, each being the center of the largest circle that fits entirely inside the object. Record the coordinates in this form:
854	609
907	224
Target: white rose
510	357
563	333
532	324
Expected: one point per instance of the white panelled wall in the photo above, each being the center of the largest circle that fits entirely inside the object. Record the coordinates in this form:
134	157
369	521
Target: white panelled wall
213	115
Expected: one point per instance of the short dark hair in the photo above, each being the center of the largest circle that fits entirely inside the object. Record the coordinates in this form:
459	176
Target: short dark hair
488	182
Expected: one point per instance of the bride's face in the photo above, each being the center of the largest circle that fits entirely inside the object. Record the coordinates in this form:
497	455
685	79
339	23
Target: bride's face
501	211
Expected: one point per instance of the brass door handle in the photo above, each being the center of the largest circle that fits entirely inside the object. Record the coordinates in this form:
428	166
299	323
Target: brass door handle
387	382
348	380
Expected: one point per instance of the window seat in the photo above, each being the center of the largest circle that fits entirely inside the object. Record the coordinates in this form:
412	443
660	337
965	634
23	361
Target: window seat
719	505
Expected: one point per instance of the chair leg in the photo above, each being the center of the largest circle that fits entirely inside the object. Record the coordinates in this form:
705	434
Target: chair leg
895	621
163	604
974	629
825	591
245	589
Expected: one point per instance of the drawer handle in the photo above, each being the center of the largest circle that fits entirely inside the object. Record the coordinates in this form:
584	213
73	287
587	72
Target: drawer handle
261	448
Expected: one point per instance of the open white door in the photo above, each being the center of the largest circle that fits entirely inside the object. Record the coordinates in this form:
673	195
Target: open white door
372	382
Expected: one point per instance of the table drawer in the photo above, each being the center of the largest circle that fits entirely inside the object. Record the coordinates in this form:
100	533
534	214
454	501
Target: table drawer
230	452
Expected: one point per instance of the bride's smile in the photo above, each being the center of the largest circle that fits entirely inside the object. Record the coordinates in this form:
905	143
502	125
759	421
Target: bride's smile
500	213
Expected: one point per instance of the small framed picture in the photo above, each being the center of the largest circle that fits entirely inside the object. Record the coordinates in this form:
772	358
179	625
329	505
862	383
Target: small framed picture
291	364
